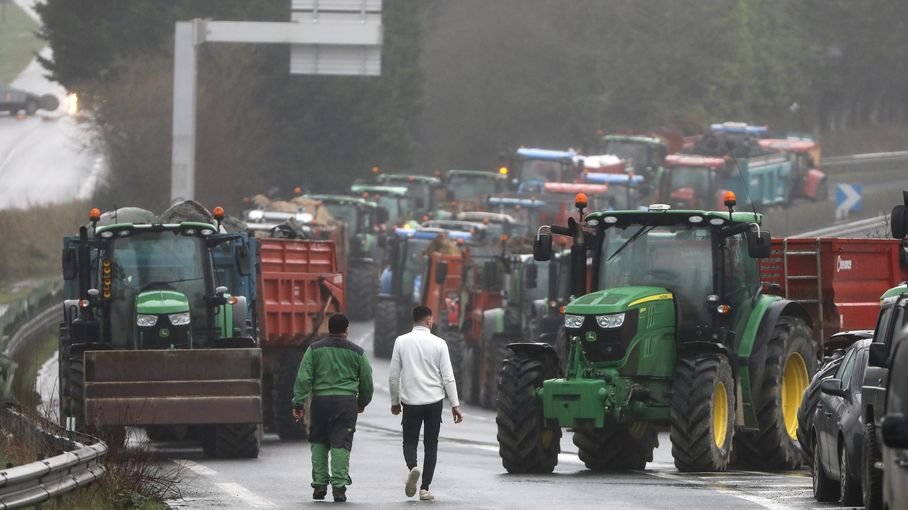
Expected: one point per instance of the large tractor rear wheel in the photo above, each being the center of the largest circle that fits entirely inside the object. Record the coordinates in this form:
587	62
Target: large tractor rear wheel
232	441
385	328
457	352
526	443
284	379
790	363
617	447
362	290
703	413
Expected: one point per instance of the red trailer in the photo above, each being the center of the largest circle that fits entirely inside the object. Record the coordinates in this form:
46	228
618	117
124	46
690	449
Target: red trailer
299	286
839	281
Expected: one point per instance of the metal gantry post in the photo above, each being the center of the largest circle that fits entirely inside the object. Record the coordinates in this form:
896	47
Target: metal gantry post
182	177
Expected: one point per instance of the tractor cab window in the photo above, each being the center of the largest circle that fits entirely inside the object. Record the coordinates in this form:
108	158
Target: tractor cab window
466	187
689	187
741	273
345	213
677	258
393	206
413	265
540	170
150	261
635	153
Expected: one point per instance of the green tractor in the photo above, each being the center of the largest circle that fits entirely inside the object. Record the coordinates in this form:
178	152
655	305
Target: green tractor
668	328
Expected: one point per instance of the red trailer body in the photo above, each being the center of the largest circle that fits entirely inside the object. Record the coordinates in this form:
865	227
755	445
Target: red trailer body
839	281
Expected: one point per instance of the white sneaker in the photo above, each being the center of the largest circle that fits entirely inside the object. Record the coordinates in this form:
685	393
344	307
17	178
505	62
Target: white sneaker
412	478
425	495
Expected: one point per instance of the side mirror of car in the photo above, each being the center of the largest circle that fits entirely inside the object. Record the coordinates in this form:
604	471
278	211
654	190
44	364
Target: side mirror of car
441	272
542	247
878	355
894	429
832	387
759	246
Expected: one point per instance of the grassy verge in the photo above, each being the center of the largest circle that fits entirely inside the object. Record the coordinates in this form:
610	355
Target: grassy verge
33	239
17	41
30	361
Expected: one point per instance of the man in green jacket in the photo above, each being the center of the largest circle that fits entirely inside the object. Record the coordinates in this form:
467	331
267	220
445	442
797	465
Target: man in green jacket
337	374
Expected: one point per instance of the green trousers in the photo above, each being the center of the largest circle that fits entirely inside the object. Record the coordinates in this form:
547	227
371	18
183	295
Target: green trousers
339	475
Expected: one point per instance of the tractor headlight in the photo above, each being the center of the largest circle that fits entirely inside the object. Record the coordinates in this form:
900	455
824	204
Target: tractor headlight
573	321
179	319
615	320
146	321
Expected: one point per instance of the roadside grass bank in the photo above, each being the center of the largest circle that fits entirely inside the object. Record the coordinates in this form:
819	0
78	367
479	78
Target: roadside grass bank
30	360
33	239
18	42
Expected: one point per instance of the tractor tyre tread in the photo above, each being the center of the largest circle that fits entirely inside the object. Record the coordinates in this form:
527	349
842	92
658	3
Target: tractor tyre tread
236	441
362	290
282	395
614	448
385	328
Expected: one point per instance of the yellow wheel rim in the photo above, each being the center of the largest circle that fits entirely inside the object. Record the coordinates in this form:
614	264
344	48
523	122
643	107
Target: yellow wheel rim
794	381
720	415
546	438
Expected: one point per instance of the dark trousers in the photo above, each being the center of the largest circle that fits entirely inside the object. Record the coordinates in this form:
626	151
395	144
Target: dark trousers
331	428
413	420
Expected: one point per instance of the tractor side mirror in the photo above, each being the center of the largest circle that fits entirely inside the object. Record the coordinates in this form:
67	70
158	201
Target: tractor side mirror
532	276
899	222
878	355
382	215
894	429
441	273
490	274
243	261
542	247
70	271
759	246
832	387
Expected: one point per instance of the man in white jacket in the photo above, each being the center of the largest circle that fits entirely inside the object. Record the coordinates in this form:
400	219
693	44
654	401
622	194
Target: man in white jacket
421	377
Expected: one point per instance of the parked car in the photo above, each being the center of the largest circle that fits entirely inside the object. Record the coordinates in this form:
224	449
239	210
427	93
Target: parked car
895	428
834	428
14	100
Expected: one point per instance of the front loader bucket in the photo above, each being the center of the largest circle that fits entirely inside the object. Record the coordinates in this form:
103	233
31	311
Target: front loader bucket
176	386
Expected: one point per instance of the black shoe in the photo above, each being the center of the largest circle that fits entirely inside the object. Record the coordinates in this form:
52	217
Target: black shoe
320	492
340	494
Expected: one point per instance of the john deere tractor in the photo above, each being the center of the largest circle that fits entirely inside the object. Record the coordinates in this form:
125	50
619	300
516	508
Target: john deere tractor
667	328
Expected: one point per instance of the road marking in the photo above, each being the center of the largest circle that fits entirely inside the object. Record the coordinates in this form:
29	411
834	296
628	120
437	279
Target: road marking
758	500
562	457
238	491
197	468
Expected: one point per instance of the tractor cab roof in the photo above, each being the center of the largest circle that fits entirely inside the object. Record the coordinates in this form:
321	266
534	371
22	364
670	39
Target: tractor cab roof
738	128
483	216
694	160
343	199
476	173
606	178
505	201
455	225
404	179
546	154
603	163
430	233
894	293
572	188
395	191
797	145
649	140
664	217
127	229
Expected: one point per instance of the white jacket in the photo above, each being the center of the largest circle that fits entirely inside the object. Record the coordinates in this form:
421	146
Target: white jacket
421	370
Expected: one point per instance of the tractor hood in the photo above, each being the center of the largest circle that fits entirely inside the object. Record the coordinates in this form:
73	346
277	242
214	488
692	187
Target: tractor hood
615	300
156	302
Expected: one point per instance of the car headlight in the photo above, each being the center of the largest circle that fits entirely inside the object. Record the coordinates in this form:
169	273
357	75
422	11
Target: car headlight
179	319
610	321
145	321
573	321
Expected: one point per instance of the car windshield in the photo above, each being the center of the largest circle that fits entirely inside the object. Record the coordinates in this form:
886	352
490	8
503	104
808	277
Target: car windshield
156	261
678	258
465	187
540	170
634	152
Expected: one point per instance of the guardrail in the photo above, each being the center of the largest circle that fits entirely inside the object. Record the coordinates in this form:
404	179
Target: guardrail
870	157
78	465
864	226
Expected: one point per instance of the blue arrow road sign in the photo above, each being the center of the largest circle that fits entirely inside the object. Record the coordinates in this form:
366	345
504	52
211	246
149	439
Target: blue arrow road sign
848	198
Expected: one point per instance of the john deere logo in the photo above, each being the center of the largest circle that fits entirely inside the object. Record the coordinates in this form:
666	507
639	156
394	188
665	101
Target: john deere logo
590	336
164	332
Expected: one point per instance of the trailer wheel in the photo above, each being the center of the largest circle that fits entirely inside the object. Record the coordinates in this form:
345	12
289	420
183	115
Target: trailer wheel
702	413
282	398
456	351
362	290
790	363
526	443
385	328
617	447
232	441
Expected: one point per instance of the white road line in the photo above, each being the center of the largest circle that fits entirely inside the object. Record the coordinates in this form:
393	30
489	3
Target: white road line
238	491
565	458
758	500
197	468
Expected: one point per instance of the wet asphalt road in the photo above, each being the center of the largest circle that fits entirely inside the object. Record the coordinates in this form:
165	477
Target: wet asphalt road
469	473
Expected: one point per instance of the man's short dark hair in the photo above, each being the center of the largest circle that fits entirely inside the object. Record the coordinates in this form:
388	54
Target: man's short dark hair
338	323
421	312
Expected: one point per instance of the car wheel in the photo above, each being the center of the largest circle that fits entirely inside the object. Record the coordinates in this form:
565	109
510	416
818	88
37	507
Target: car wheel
849	488
823	488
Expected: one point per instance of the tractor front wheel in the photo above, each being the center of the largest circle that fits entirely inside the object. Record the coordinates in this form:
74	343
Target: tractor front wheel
526	443
702	413
617	447
790	363
385	331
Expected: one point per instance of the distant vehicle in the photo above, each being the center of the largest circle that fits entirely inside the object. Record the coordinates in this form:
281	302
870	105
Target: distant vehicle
836	435
531	168
14	100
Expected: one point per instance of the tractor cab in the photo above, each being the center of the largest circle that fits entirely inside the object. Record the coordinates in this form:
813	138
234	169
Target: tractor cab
532	168
400	206
364	220
466	185
806	177
643	154
696	182
625	191
422	190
